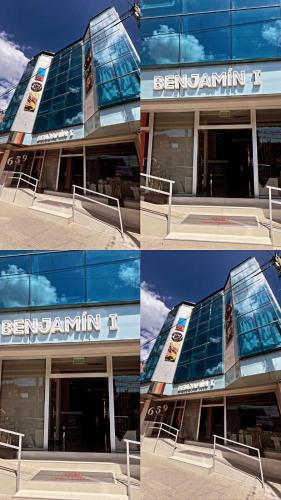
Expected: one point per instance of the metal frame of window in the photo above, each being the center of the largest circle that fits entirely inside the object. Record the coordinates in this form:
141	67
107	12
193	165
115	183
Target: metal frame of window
250	126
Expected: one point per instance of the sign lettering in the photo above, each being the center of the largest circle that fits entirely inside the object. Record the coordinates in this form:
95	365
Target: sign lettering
84	323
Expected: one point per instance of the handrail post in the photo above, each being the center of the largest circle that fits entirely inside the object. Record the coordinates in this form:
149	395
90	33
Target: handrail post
120	218
170	208
270	210
36	183
160	428
261	471
17	188
18	479
214	450
73	203
128	470
175	443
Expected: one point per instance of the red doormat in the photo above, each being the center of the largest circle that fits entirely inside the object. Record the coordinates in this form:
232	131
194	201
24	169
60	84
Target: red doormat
86	477
221	220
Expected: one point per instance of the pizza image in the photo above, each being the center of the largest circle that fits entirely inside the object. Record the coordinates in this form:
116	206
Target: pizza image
31	102
172	352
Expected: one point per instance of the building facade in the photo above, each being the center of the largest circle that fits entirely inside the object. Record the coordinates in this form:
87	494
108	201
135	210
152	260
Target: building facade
69	349
215	366
74	116
210	96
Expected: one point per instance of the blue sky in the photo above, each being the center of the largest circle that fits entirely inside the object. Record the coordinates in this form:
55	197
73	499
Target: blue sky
29	26
169	277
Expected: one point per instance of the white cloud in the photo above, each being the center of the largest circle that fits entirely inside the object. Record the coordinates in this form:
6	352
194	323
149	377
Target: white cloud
130	273
14	288
153	314
163	49
272	34
12	64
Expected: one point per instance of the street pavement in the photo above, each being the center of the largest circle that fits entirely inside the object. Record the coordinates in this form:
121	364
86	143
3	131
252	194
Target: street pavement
21	228
165	479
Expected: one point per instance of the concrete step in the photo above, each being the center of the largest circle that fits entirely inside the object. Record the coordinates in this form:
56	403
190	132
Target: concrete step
53	215
70	495
219	238
205	468
59	487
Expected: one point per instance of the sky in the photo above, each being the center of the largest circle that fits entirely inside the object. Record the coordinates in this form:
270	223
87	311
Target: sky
169	277
30	26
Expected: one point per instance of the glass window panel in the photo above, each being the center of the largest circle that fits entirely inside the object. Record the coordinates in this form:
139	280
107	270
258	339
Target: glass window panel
199	353
79	365
255	416
73	97
44	262
252	33
99	256
109	93
205	5
160	42
197	370
129	86
224	117
14	282
153	7
125	65
245	323
205	38
124	279
213	366
73	116
105	73
265	316
214	347
56	120
58	103
22	399
58	287
269	150
241	4
249	343
271	335
172	155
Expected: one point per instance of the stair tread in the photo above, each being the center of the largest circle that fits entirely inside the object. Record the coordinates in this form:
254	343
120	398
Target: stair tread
64	495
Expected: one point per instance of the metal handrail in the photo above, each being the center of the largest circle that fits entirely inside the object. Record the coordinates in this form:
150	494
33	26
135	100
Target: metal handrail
257	459
271	202
137	457
97	202
160	191
20	175
19	449
159	426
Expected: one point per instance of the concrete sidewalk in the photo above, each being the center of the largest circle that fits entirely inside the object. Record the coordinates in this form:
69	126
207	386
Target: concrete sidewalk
22	228
167	479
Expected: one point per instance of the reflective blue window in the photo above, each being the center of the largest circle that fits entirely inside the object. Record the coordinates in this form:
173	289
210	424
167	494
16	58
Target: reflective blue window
116	67
65	278
257	315
194	31
61	105
15	102
202	346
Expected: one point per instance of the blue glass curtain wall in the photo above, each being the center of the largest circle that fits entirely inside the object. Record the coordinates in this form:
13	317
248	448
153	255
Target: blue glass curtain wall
116	64
157	349
194	31
13	107
65	278
62	103
202	351
257	316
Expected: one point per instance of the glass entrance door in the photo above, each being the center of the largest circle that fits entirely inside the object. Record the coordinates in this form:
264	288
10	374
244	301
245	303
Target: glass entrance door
79	419
211	422
225	163
71	172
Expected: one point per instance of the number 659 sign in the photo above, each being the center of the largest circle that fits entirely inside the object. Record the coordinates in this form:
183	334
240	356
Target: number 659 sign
157	410
15	160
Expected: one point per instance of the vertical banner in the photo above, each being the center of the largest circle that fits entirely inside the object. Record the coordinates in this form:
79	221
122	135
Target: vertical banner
229	337
26	115
166	367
